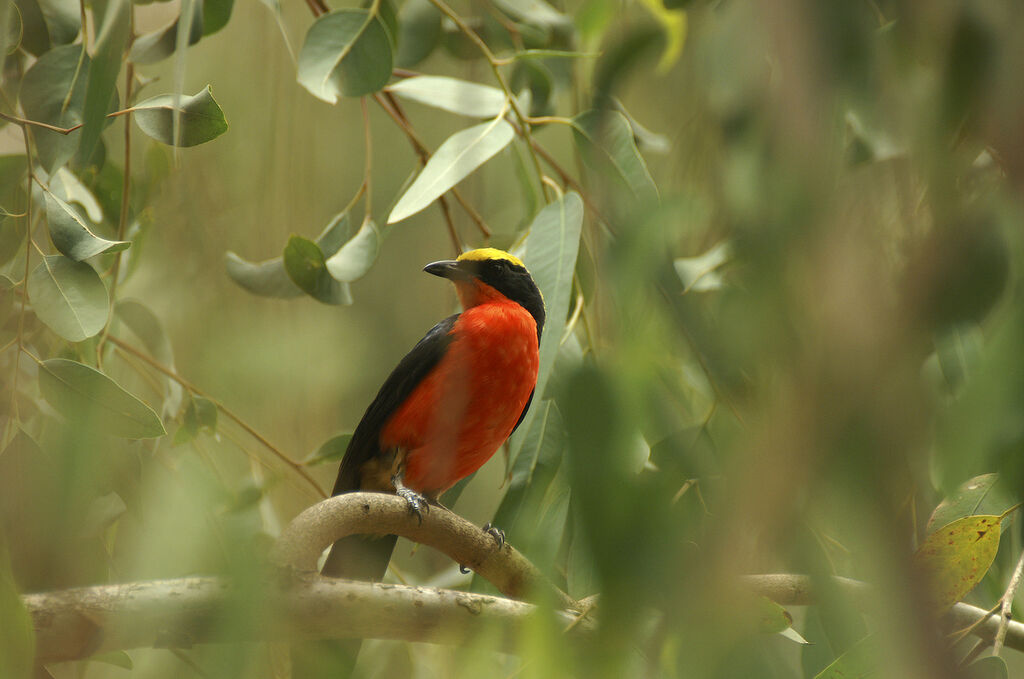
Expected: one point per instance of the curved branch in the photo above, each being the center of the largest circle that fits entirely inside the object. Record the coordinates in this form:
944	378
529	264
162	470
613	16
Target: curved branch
315	529
77	623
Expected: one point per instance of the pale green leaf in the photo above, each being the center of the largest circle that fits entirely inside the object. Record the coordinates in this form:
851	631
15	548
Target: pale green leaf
69	297
536	12
200	119
57	76
85	395
453	95
457	157
157	45
700	273
354	258
345	53
71	236
419	32
112	18
971	498
307	267
332	450
606	144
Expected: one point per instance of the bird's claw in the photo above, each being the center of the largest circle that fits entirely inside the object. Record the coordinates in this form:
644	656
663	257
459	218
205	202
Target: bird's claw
496	533
417	503
463	569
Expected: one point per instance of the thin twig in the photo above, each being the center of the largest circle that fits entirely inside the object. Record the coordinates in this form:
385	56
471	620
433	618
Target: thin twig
277	452
1007	604
368	165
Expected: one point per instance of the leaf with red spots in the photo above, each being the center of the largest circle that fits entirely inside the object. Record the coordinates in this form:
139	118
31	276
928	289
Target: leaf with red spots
956	557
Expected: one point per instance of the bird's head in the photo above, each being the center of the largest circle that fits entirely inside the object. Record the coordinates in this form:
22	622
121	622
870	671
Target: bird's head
489	274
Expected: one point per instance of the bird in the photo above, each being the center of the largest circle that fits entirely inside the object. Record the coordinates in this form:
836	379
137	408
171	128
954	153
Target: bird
449	404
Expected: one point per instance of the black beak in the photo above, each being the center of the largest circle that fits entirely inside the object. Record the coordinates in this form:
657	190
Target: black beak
448	268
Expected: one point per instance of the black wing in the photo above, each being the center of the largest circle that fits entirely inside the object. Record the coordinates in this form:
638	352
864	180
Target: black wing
406	376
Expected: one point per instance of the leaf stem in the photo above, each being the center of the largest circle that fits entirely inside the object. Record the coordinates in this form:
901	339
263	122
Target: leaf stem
277	452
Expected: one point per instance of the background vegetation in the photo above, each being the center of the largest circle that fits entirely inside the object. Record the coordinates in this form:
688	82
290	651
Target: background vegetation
792	329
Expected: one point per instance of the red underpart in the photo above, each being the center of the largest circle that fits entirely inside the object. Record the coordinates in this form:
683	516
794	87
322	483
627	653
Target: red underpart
461	413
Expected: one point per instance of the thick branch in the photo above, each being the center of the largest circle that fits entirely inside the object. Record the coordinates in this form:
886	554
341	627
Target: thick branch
77	623
315	529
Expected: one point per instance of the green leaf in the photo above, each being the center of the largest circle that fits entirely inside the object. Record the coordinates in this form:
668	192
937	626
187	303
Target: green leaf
200	413
141	320
269	279
346	53
673	22
969	499
85	395
17	635
63	19
35	34
69	297
700	273
44	89
115	658
453	95
216	14
70	234
458	156
550	255
306	266
150	48
859	662
200	118
113	21
332	450
11	29
535	12
65	185
419	32
992	667
606	144
354	259
12	235
956	557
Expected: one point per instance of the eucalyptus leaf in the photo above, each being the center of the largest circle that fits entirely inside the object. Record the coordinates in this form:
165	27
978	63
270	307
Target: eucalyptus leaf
156	46
269	279
700	273
69	297
200	118
67	186
113	21
536	12
457	157
141	320
332	450
70	234
307	267
58	76
63	19
85	395
453	95
419	32
354	259
550	255
345	53
216	14
606	144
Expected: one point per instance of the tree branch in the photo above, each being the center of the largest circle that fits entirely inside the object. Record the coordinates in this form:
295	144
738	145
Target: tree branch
315	529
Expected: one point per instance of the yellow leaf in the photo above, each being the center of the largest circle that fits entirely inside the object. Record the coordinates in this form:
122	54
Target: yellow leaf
956	557
673	21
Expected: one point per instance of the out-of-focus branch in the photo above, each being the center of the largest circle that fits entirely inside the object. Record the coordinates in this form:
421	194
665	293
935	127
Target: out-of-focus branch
78	623
315	529
798	590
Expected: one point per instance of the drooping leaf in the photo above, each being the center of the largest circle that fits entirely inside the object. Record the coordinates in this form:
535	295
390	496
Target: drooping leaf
770	616
419	32
332	450
991	667
11	29
63	19
346	53
606	144
354	258
452	94
156	46
458	156
44	89
200	118
550	256
17	635
71	236
307	267
216	14
269	279
113	20
141	320
67	186
35	34
956	557
971	498
85	395
69	297
700	273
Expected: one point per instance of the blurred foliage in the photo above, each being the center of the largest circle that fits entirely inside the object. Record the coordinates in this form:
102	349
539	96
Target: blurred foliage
780	245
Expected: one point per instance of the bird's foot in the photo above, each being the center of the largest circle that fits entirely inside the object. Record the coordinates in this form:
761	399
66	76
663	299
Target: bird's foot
496	533
417	502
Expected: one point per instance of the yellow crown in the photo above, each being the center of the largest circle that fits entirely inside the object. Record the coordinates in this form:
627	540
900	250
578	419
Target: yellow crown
482	254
